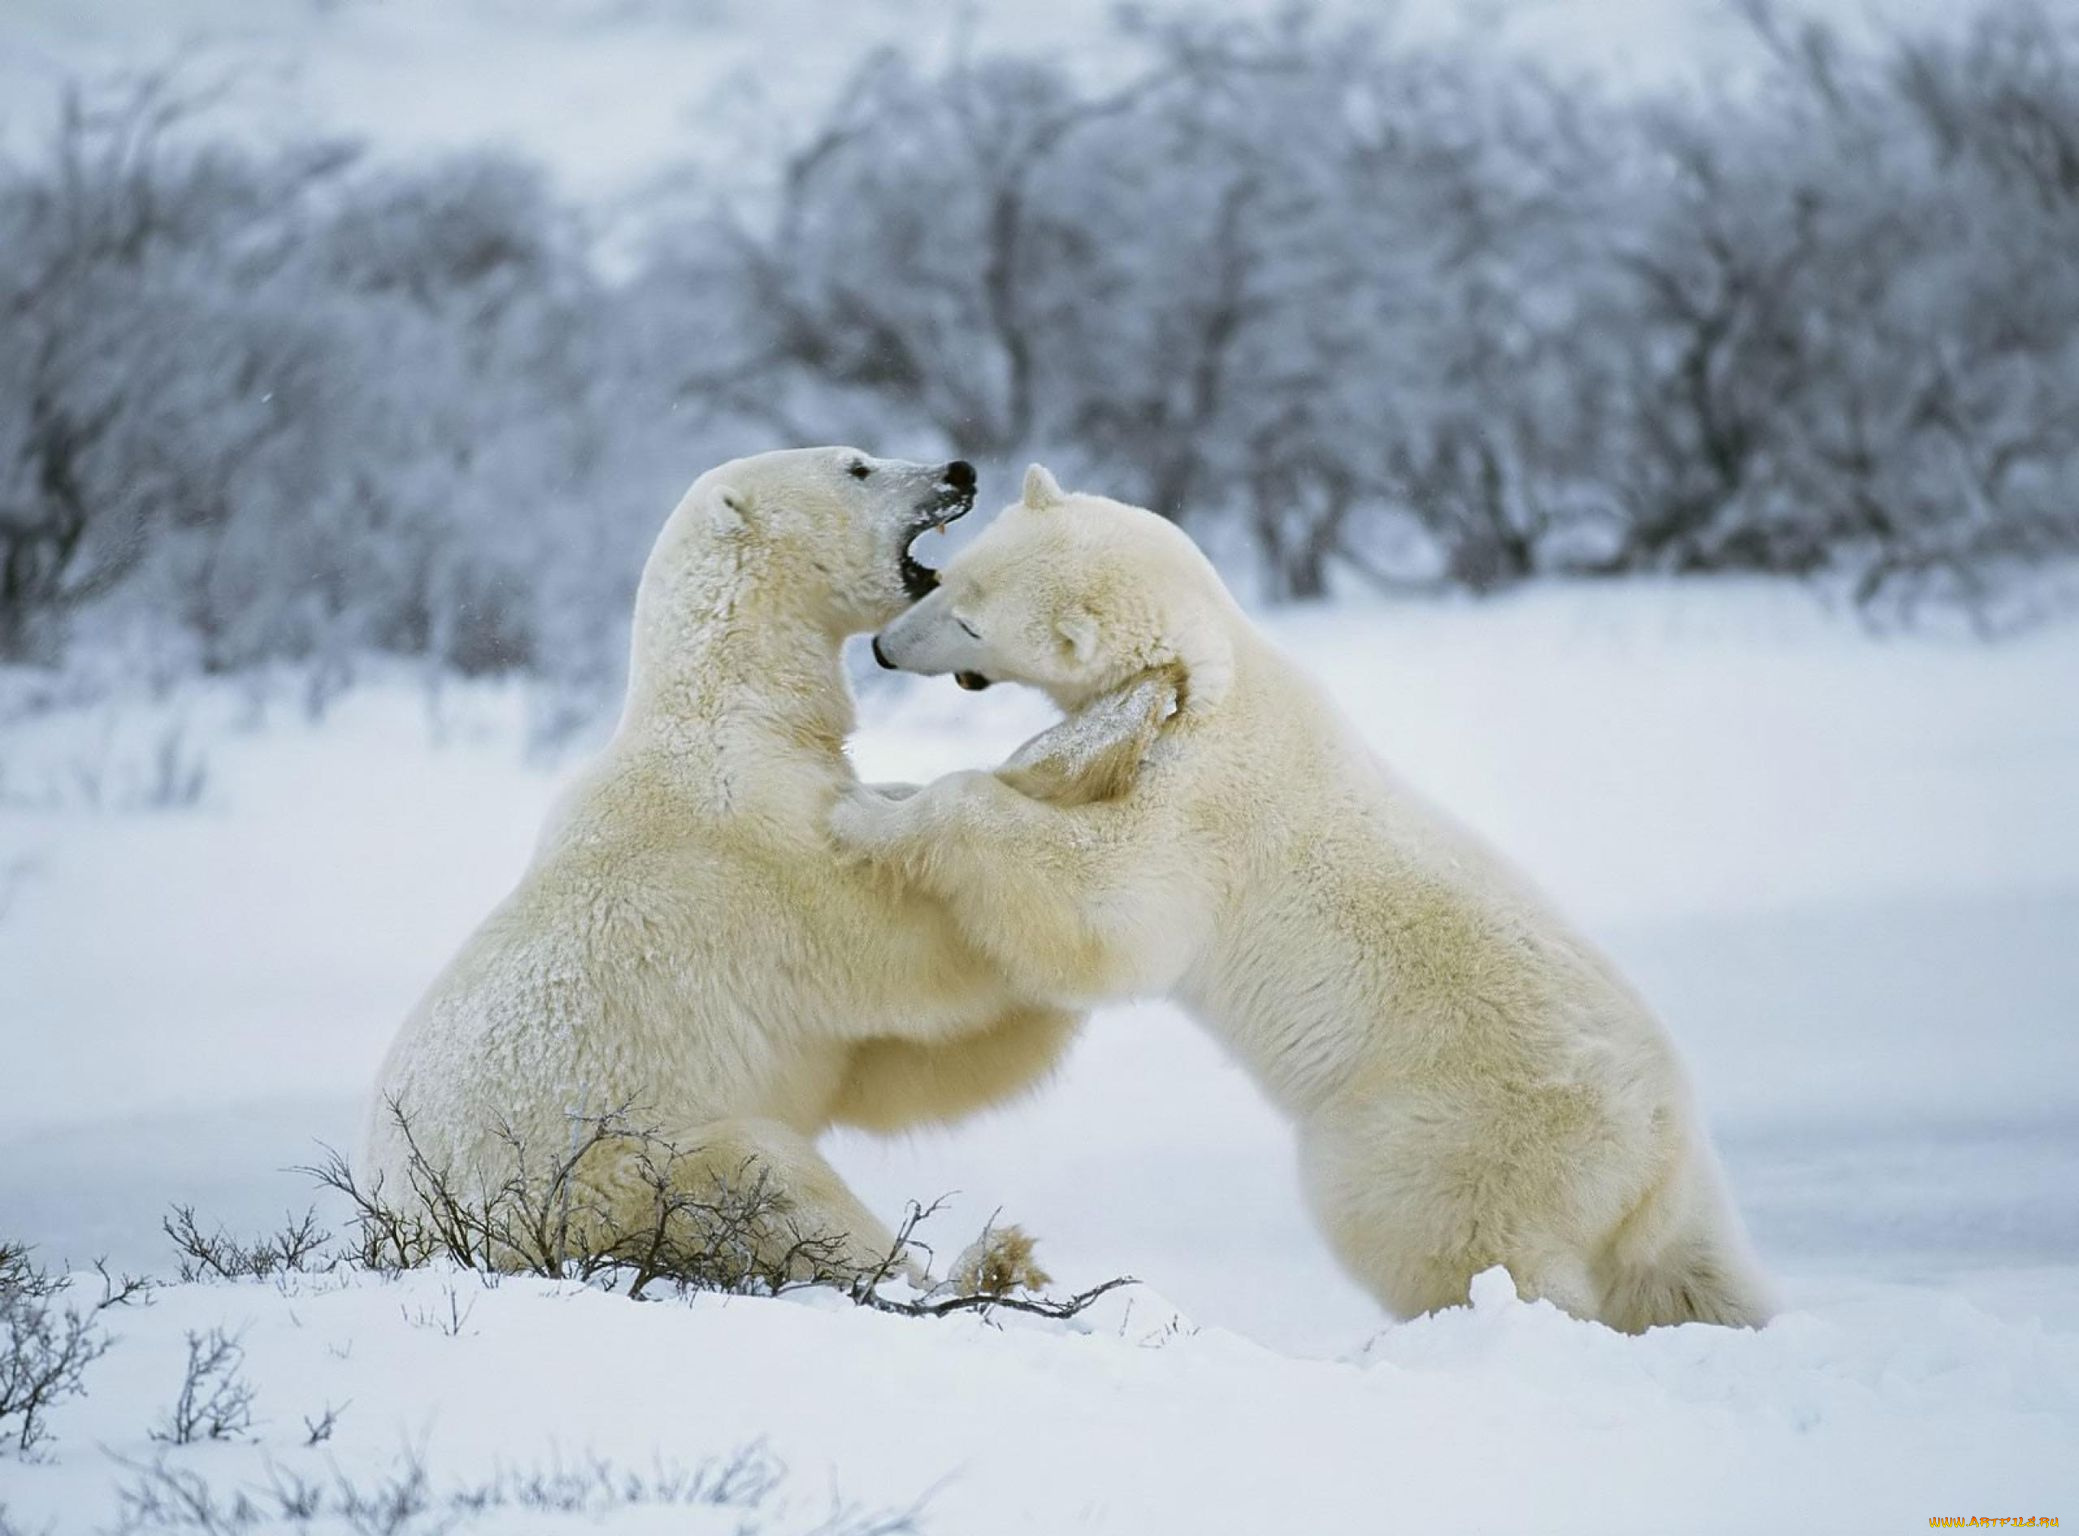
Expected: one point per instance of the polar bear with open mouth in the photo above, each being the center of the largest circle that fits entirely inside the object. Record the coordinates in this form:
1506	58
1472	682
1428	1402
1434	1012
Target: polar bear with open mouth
1472	1083
686	942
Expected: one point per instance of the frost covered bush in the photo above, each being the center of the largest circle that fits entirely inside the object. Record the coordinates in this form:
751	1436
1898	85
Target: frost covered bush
739	1491
46	1344
1861	337
1422	315
1351	305
738	1237
298	1247
543	1218
215	1401
284	404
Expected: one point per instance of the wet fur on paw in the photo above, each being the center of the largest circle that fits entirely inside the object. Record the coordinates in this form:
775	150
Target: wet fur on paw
997	1263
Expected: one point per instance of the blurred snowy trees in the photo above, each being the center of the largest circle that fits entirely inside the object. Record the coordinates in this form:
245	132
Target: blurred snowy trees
289	405
1436	319
1349	308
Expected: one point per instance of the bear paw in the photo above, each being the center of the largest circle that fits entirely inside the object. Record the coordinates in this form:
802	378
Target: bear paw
997	1263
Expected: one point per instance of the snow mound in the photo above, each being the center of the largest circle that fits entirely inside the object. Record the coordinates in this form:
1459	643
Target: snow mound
1873	1412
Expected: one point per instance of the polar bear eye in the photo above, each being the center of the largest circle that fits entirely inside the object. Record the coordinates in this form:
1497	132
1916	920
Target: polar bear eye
859	470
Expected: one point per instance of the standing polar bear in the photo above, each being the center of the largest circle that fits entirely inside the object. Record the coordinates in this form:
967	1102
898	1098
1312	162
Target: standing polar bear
1472	1083
686	942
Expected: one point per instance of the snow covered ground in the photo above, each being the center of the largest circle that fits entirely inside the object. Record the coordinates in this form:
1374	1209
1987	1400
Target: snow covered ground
1845	867
1868	1411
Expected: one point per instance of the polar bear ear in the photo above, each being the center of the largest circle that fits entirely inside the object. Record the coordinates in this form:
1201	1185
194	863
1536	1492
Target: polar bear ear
1041	488
1078	630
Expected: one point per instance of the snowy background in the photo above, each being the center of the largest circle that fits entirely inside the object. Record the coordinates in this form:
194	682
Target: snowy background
332	456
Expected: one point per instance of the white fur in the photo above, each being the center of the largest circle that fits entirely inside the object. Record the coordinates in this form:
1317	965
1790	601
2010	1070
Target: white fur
1472	1083
686	942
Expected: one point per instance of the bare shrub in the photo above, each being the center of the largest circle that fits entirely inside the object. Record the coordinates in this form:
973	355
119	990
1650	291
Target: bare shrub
215	1401
46	1347
983	1282
542	1218
449	1320
297	1248
405	1501
739	1235
178	774
319	1429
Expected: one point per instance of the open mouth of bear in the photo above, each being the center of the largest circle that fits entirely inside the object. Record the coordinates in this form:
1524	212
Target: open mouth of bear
973	682
918	579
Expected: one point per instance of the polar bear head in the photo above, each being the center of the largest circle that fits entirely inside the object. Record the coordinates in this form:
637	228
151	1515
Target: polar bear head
826	532
1075	595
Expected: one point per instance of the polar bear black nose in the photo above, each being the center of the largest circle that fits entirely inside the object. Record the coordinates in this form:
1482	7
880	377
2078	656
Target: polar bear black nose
880	655
960	475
